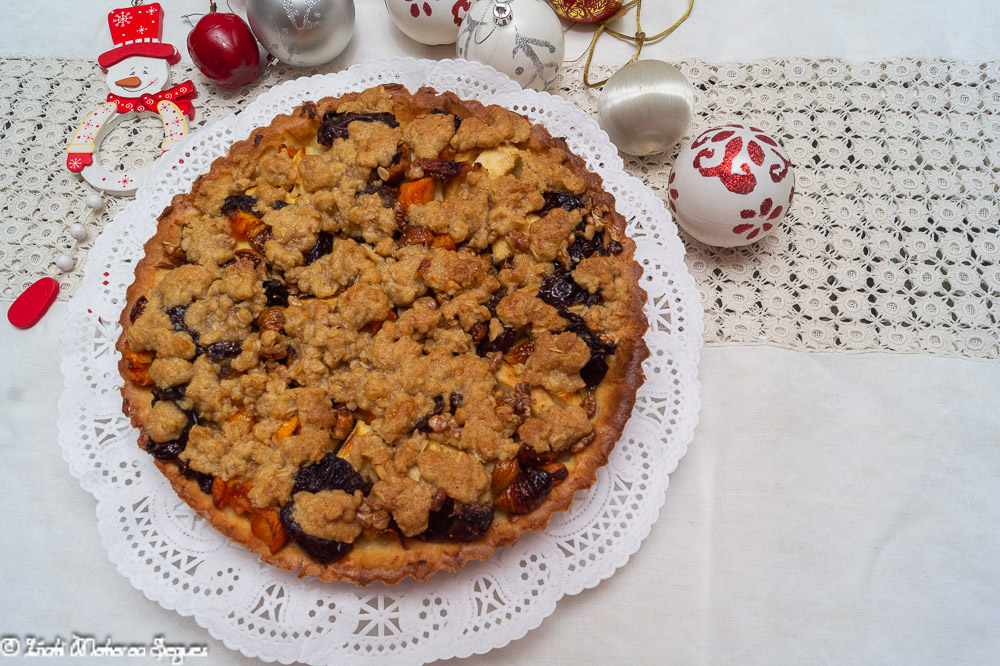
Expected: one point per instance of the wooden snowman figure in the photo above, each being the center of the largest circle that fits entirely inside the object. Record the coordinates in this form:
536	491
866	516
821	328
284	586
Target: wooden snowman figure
138	76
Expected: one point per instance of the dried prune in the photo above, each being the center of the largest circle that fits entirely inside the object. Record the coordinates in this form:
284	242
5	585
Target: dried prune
457	119
330	473
323	551
441	169
243	202
423	425
334	125
276	292
502	343
387	194
561	291
564	200
495	299
529	457
597	367
176	315
167	450
170	450
323	246
557	471
222	350
581	248
459	522
205	481
137	309
173	394
526	491
397	169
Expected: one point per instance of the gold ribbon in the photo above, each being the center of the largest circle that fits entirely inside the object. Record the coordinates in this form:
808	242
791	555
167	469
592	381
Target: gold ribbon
639	38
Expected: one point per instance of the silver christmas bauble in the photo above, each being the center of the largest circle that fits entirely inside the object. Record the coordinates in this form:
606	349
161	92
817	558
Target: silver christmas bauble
304	33
646	107
521	38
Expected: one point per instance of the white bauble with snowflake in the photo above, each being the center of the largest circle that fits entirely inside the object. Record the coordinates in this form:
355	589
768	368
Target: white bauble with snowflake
522	39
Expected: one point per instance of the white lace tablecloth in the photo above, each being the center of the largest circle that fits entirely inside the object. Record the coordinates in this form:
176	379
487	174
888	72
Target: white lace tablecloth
890	243
175	558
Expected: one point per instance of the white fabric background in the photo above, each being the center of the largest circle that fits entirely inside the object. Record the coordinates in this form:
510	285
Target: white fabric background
832	508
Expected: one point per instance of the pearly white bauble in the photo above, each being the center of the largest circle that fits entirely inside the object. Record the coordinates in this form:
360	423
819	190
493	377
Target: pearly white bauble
731	187
428	21
528	48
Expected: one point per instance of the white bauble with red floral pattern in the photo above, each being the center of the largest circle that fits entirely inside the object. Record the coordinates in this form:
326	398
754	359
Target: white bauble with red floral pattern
428	21
732	186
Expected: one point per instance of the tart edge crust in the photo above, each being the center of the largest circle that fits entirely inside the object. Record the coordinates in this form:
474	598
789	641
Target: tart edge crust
385	559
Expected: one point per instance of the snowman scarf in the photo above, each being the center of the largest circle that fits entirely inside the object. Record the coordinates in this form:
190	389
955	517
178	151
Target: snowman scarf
179	95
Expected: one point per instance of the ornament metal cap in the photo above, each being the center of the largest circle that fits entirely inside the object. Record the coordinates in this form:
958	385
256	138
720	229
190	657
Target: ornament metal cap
502	14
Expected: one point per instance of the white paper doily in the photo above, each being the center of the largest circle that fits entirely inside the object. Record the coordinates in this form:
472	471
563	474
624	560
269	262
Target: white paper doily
178	560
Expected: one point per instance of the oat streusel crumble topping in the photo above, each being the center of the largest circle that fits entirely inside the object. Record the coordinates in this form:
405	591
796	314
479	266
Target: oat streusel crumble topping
396	326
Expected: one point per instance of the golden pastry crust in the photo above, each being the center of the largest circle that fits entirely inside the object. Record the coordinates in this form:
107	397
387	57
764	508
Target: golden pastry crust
453	278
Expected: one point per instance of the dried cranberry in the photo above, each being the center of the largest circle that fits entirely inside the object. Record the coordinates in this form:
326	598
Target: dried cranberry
322	551
330	473
457	119
172	394
502	343
222	350
137	309
564	200
276	292
334	125
243	202
323	246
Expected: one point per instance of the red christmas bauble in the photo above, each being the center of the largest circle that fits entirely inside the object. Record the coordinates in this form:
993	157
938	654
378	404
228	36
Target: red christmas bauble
586	11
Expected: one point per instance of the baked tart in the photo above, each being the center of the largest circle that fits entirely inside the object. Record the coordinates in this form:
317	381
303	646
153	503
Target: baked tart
385	335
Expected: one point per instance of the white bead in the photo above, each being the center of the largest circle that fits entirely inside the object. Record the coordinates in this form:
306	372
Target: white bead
78	231
64	262
95	201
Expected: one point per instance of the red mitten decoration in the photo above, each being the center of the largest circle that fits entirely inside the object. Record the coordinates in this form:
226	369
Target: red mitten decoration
76	161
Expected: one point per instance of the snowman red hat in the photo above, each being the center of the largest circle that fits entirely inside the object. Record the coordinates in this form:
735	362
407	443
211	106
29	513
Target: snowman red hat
136	31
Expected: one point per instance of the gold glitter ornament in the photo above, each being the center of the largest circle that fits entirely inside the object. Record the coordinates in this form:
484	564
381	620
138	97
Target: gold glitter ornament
586	11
